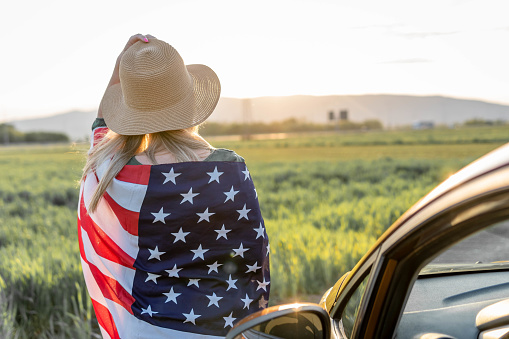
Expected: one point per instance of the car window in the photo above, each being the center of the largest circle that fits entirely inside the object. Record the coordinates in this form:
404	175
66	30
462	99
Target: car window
458	283
486	249
351	310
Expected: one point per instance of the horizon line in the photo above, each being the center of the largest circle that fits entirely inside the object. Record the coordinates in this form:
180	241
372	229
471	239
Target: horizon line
88	110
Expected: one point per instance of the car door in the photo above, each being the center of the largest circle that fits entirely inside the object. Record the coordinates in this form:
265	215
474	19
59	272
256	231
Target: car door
370	304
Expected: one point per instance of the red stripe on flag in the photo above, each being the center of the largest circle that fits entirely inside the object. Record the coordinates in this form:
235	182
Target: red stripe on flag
105	319
80	241
102	243
111	289
99	134
128	219
136	174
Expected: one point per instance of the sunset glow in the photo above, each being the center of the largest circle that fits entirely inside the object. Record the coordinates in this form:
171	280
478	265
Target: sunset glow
59	54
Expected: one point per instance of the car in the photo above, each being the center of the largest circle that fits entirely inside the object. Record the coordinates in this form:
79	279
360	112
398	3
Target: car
440	271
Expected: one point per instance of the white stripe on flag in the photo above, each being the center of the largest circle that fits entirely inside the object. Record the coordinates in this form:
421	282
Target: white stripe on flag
104	333
128	195
79	203
92	138
127	324
105	218
122	274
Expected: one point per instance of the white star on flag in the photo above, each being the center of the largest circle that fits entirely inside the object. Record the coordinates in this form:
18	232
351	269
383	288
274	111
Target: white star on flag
148	310
231	282
190	317
214	267
159	216
170	176
174	272
198	253
205	215
253	268
262	285
180	235
214	176
268	250
213	299
152	277
155	254
188	196
256	193
246	174
240	251
243	212
229	320
230	195
222	233
153	213
193	282
259	232
172	296
246	302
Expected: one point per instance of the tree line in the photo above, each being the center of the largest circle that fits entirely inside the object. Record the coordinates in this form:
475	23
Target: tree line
10	135
291	125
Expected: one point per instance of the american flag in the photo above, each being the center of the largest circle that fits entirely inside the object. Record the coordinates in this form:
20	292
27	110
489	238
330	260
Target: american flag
174	250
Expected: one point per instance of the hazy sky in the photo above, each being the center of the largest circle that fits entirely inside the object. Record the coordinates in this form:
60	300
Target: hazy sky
58	55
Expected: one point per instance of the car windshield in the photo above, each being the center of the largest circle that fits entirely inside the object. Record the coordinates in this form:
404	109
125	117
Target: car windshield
484	250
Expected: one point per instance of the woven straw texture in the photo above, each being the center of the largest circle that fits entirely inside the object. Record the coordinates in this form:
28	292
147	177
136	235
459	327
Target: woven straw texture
158	92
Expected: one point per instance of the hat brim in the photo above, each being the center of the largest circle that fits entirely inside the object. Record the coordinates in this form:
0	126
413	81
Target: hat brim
191	111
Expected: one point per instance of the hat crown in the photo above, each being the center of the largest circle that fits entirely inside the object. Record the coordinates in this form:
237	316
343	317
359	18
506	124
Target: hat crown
153	75
158	92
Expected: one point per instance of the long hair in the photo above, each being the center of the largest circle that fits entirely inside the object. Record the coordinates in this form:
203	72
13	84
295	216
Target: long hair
119	149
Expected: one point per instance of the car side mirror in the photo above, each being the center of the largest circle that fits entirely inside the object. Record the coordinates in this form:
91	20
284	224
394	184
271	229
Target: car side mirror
300	321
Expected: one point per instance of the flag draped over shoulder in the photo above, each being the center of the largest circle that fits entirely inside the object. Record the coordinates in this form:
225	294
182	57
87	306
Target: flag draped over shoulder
174	250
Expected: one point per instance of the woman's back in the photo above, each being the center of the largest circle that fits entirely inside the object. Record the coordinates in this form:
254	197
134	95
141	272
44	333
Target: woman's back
172	249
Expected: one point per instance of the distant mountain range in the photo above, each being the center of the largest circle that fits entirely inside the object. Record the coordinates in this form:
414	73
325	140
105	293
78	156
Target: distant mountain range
391	110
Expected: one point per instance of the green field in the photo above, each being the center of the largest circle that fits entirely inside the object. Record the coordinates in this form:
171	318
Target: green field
325	200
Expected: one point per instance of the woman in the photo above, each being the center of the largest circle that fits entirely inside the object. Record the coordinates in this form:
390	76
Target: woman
171	236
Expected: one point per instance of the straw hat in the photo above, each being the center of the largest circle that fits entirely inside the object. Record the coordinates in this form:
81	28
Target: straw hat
157	92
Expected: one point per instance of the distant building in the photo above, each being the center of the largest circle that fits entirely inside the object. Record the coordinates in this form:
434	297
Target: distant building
423	125
343	115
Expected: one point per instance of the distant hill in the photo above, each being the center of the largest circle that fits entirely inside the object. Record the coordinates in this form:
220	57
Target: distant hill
77	125
391	110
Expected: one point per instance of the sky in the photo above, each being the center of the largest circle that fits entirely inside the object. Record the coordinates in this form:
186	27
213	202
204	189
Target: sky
58	55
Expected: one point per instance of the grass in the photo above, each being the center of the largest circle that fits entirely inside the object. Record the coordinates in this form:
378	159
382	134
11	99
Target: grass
346	153
325	200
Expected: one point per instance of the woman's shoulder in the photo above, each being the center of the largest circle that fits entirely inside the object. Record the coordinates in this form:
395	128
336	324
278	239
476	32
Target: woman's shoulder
218	154
98	122
223	154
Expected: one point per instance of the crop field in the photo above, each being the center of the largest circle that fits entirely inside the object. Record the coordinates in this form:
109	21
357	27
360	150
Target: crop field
325	200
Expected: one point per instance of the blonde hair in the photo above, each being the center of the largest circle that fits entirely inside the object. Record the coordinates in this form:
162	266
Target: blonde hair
119	149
